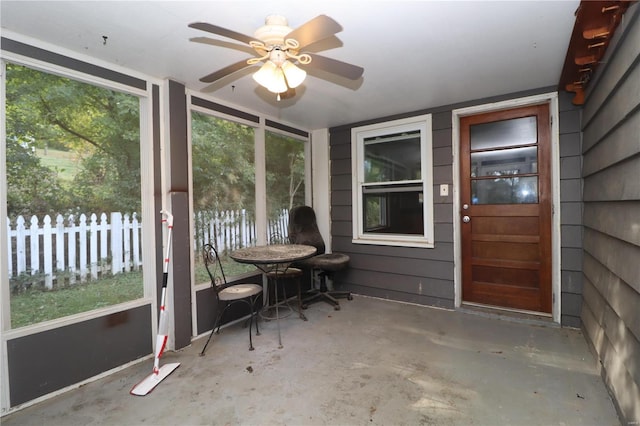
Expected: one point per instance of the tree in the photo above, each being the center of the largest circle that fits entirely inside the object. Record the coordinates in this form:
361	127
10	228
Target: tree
285	173
31	187
223	167
100	125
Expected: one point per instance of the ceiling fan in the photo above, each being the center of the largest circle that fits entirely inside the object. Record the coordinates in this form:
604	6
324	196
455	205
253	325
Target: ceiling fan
280	48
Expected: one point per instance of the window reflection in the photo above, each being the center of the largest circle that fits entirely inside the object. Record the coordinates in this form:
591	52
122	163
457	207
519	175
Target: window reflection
504	133
504	162
394	212
513	190
392	158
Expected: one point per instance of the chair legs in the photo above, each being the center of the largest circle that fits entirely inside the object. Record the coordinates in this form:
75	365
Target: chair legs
285	298
324	294
216	325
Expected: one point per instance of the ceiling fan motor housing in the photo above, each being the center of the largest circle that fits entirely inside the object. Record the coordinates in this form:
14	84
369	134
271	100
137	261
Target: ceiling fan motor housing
274	30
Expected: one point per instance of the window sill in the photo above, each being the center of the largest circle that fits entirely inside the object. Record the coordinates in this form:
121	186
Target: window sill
394	240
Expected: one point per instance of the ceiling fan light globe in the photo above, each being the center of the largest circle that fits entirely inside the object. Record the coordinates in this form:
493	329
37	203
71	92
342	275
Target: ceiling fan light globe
265	76
295	75
278	84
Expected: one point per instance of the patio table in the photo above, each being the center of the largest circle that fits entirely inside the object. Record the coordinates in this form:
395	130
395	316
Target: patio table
274	258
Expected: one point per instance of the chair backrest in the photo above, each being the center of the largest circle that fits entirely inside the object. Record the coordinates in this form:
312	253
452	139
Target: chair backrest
214	267
277	238
303	228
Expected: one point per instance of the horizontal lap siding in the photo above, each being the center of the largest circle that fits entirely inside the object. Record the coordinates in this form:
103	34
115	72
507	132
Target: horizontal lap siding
611	174
416	275
570	212
428	278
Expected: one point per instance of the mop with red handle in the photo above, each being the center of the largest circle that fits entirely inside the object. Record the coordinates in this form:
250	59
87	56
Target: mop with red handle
159	373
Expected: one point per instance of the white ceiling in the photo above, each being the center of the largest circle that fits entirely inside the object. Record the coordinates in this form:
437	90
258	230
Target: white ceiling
416	54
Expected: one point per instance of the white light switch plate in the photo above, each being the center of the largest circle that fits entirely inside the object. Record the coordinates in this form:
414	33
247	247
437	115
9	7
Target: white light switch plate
444	190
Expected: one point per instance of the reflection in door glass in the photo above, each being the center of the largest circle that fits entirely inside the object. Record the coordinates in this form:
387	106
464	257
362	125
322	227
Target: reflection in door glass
505	190
504	133
504	161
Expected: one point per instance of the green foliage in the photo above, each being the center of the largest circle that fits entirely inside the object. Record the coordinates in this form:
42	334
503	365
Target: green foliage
223	164
101	126
65	163
285	173
31	187
224	167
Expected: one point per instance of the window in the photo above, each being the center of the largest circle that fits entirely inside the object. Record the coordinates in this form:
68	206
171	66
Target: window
392	186
234	158
73	175
504	171
223	176
285	167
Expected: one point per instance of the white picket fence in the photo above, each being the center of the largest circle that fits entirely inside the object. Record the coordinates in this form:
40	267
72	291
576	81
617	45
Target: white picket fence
230	230
83	249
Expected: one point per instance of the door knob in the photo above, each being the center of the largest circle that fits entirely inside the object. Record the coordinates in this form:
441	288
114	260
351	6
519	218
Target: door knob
466	219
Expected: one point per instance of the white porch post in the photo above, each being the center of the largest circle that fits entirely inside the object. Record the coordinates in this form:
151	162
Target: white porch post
321	182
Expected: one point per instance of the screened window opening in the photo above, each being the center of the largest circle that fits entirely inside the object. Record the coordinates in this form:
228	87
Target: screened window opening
285	169
223	175
73	196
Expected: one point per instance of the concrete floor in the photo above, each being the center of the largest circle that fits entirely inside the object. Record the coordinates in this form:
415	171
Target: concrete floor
374	362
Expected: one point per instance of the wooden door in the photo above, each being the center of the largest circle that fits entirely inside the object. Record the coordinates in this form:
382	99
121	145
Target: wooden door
505	214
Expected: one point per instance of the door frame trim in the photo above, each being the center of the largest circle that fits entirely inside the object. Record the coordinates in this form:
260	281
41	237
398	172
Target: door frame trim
552	99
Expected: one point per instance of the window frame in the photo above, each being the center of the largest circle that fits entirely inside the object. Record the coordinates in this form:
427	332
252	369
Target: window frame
146	181
261	126
421	123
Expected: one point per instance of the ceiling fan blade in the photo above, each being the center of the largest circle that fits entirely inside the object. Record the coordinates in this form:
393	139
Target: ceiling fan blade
217	75
314	30
214	29
223	43
352	72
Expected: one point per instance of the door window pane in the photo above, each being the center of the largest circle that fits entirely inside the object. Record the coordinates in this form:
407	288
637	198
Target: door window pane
506	150
499	134
223	169
285	167
504	162
510	190
73	196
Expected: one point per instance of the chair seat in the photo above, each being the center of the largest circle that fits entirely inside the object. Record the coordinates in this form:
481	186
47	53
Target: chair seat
288	273
327	261
239	291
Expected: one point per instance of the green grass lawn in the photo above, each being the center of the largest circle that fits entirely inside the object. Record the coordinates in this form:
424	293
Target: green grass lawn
64	162
36	305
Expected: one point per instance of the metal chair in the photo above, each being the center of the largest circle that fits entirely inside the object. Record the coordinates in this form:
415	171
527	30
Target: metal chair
226	295
289	273
303	229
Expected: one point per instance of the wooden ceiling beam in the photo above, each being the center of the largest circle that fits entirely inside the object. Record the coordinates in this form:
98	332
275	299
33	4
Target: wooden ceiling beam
596	22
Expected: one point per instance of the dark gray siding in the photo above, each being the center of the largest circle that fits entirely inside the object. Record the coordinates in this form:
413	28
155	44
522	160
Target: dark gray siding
611	173
416	275
426	276
571	211
45	362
